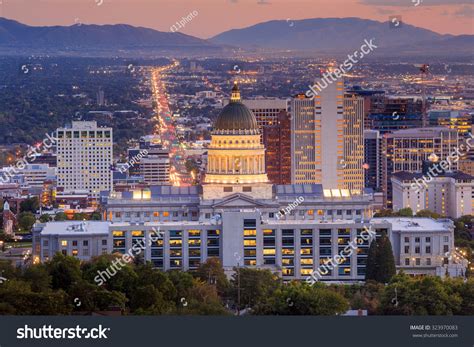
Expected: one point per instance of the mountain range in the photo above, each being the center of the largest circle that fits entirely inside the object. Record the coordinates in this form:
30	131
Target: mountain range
318	35
339	35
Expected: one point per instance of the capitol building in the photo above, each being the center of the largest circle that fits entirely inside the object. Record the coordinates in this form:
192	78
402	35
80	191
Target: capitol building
238	216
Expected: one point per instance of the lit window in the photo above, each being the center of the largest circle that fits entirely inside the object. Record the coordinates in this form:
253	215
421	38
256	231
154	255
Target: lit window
269	252
156	214
118	233
64	243
250	232
250	242
166	214
137	233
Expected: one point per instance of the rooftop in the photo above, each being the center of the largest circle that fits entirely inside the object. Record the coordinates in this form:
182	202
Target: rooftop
409	176
416	224
70	228
421	132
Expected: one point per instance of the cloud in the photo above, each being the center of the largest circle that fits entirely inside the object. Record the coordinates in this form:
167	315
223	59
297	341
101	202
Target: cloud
465	11
408	3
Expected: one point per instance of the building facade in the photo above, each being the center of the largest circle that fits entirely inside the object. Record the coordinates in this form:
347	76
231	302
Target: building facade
406	150
277	142
448	194
373	159
327	138
84	159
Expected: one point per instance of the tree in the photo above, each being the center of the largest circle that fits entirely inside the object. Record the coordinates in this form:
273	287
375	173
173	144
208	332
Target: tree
202	299
371	266
428	214
212	272
80	216
30	205
64	270
60	216
26	221
405	212
428	295
149	300
380	261
45	218
299	298
386	261
96	216
39	277
255	285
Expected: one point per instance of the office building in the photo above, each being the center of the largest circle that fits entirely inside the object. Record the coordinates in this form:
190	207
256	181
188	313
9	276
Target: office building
327	139
406	150
81	239
353	138
424	246
461	121
373	159
84	158
154	166
266	110
277	142
36	175
449	194
395	113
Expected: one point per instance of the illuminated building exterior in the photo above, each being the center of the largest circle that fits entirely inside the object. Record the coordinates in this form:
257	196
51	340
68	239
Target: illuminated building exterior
353	163
84	159
237	216
406	150
266	110
461	121
154	167
277	142
448	194
327	139
388	114
236	157
373	159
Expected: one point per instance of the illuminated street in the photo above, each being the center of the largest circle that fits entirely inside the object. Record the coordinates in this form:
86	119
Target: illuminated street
166	129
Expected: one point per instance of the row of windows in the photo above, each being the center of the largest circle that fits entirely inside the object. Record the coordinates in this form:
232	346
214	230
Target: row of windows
74	243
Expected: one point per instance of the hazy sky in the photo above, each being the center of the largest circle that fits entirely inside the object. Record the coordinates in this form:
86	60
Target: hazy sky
215	16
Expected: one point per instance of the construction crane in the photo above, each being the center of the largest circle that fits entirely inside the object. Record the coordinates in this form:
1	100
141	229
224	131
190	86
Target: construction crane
424	70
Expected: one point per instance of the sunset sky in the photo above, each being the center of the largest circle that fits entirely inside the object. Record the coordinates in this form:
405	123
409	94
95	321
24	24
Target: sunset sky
216	16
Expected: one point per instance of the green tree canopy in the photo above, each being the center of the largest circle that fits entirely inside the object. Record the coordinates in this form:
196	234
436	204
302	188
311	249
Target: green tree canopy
26	221
380	260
